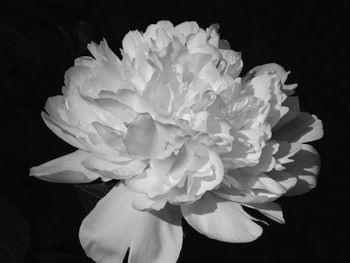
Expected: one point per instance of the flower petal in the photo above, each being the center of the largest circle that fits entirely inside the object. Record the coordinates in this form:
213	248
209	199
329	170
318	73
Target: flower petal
305	167
221	220
287	180
292	103
303	128
122	170
143	203
111	137
187	28
266	183
131	41
139	138
163	232
272	210
61	132
114	225
66	169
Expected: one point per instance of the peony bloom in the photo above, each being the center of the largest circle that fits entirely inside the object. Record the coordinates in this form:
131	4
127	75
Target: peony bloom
185	135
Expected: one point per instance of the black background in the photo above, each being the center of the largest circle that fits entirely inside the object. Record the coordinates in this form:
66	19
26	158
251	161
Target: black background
39	40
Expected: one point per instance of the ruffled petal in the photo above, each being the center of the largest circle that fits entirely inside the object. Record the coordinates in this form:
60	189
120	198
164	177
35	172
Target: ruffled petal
221	219
130	43
305	168
188	28
66	169
303	128
114	225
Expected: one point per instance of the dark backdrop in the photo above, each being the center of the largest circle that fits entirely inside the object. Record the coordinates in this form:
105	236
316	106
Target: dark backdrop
39	40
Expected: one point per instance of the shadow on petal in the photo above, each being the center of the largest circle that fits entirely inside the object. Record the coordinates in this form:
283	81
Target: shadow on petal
305	167
303	128
221	220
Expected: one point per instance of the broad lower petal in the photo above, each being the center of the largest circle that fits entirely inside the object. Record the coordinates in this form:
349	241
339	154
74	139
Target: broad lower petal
114	225
221	219
66	169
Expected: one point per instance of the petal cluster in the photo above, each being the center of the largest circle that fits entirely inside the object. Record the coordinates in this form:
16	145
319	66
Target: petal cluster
186	136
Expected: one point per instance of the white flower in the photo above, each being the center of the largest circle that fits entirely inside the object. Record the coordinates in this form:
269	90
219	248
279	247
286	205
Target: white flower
185	135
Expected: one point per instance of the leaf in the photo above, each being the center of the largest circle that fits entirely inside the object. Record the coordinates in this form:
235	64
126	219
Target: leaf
14	234
90	194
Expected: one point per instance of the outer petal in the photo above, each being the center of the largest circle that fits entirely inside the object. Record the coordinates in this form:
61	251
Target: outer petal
66	134
131	41
114	225
220	219
266	82
303	128
65	169
271	210
292	103
305	167
188	28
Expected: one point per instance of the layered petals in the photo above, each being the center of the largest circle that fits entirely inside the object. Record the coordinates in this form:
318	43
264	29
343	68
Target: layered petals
182	178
